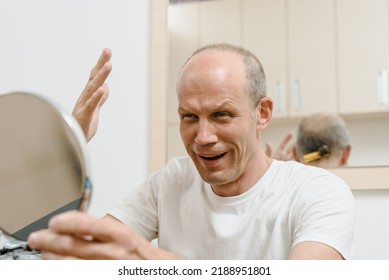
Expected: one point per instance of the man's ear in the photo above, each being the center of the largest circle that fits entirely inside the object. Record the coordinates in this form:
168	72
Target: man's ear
265	111
343	160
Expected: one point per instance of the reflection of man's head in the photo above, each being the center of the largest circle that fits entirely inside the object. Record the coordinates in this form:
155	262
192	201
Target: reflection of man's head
323	140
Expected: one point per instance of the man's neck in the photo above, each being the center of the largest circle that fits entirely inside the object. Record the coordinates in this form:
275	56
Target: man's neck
247	180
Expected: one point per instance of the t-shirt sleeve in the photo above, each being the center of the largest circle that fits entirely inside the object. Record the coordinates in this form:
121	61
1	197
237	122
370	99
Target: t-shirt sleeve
325	213
139	210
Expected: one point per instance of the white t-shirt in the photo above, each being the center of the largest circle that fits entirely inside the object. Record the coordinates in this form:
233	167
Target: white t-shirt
291	203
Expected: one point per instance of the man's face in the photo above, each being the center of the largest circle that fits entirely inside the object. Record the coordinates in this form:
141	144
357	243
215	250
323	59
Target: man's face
218	122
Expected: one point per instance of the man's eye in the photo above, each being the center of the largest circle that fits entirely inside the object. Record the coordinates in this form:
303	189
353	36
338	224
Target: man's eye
188	116
221	115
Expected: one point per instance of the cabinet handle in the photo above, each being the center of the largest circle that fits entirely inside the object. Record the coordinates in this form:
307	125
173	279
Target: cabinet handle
297	95
382	87
278	96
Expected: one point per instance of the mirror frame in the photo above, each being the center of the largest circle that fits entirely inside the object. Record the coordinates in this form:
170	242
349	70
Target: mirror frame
72	142
358	178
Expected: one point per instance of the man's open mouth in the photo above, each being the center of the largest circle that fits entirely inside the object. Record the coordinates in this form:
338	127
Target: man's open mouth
213	157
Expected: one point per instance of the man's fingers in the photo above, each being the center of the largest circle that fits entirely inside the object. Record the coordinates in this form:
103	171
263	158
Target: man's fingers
77	235
104	91
104	57
46	240
74	222
67	246
101	75
97	77
97	81
98	99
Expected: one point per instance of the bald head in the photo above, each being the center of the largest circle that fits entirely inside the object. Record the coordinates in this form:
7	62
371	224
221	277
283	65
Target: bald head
233	58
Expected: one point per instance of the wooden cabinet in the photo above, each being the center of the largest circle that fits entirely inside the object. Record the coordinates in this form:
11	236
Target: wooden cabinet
318	55
219	21
183	41
295	41
363	55
264	34
311	56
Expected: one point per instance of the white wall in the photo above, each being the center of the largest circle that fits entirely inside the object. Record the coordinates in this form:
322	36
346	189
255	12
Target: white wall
49	47
372	225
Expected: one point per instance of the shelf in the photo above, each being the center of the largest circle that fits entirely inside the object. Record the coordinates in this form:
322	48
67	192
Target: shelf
364	178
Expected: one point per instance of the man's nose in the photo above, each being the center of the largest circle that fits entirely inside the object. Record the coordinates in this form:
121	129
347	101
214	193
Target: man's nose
205	133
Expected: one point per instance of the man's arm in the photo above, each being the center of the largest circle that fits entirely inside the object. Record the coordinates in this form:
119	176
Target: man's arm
310	250
95	93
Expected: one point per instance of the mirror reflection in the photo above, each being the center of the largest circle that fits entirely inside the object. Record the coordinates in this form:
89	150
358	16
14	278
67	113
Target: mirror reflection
318	56
43	168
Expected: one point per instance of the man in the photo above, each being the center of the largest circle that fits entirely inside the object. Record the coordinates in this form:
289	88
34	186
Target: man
227	200
322	140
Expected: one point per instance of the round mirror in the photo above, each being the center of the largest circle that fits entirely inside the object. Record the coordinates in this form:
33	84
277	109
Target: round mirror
43	164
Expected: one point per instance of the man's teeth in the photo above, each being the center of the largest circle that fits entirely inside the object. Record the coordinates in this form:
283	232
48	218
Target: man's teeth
212	157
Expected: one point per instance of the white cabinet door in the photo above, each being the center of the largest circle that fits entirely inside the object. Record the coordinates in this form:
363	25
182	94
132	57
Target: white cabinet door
219	22
264	34
363	55
312	68
183	41
295	41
